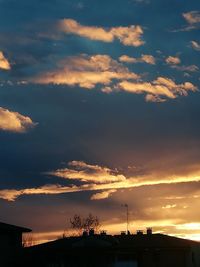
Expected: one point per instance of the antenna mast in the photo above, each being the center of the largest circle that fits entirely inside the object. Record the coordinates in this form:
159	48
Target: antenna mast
127	217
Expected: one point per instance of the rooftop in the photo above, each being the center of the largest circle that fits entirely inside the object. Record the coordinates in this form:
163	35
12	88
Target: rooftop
4	227
118	241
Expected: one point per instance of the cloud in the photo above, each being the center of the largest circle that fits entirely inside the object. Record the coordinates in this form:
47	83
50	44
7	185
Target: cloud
154	98
157	89
103	195
86	71
193	20
192	17
190	68
149	59
10	194
129	36
96	178
173	60
51	189
14	121
88	173
127	59
195	45
4	63
107	89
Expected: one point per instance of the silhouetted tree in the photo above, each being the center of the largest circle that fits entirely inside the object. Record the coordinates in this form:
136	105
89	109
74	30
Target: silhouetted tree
28	240
80	224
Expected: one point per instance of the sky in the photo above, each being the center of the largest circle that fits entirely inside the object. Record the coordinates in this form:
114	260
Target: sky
99	107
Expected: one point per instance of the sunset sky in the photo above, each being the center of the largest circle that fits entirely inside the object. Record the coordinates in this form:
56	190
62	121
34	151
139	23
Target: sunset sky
100	106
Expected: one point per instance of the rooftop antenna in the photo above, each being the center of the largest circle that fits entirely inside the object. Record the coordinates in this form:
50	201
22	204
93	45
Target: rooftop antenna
127	217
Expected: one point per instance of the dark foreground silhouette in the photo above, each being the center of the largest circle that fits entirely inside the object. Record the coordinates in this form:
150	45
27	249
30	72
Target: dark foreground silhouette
102	250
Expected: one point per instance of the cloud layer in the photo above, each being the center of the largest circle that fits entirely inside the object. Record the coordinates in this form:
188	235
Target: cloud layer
129	36
96	178
86	71
89	71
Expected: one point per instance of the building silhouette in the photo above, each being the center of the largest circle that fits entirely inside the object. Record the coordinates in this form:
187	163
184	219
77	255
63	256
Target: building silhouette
125	250
11	244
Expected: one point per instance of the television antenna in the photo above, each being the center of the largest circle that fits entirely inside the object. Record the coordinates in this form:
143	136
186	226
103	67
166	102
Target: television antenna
127	217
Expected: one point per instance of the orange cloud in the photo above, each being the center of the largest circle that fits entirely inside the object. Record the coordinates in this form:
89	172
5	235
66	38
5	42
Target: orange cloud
88	173
14	121
130	36
149	59
96	178
161	87
4	63
10	194
86	71
103	195
173	60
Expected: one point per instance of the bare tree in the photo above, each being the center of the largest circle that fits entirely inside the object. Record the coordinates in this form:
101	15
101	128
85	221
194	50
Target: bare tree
80	224
77	224
28	240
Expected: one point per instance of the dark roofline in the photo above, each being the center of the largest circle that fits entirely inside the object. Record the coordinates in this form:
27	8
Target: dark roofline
120	241
15	228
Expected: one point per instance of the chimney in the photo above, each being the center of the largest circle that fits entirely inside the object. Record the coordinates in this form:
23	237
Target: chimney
91	232
139	232
149	231
103	232
85	233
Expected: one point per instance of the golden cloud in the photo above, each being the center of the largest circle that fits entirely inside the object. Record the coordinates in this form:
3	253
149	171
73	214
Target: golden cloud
103	195
173	60
96	178
130	36
157	89
4	63
149	59
88	173
86	71
14	121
